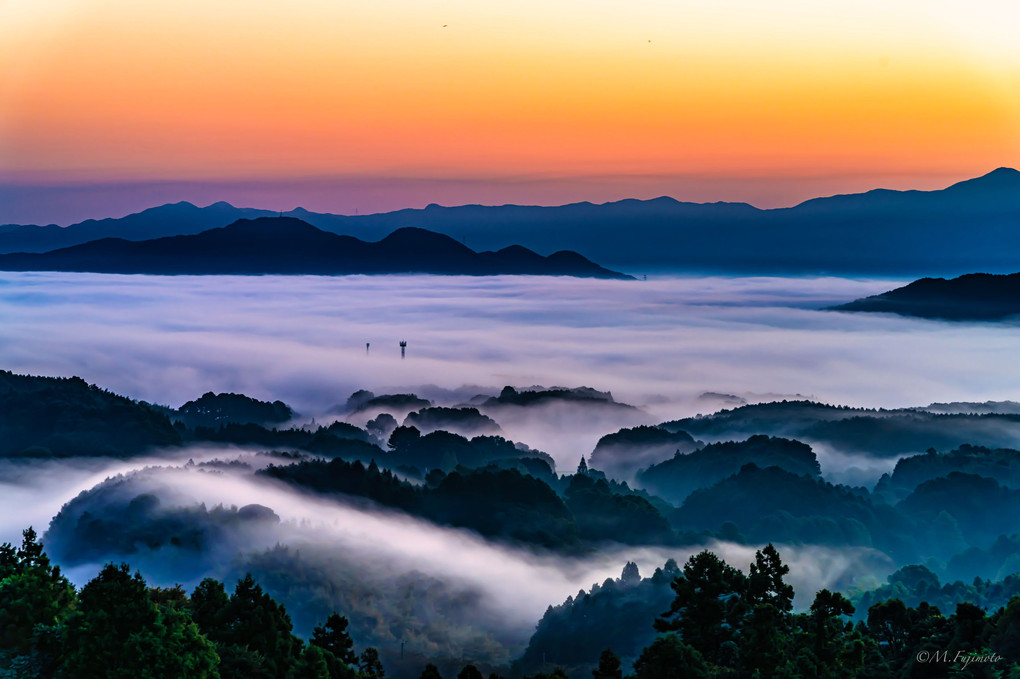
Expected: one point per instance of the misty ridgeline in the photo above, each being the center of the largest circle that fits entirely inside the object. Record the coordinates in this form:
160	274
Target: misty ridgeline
409	537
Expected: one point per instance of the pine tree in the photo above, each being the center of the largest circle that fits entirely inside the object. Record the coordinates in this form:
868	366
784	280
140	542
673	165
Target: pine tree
332	636
470	672
708	607
253	621
33	593
608	667
118	632
370	665
311	664
670	658
430	672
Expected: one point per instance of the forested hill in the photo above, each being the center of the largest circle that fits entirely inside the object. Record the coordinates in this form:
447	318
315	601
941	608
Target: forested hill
972	297
284	245
48	416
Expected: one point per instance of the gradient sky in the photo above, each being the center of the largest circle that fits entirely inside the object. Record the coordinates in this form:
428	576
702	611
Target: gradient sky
527	101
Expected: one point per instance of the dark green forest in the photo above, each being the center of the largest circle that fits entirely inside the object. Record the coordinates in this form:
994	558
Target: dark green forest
930	541
706	619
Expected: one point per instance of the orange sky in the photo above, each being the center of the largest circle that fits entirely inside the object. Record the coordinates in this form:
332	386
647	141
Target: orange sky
112	90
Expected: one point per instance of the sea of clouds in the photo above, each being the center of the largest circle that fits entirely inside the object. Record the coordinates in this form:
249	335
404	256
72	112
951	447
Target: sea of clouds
657	344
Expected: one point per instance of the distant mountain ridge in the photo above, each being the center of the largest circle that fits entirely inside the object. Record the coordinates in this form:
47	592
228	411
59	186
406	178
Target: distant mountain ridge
284	245
172	219
971	225
973	297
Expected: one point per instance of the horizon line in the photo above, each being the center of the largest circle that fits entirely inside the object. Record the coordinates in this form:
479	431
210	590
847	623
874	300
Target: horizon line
317	181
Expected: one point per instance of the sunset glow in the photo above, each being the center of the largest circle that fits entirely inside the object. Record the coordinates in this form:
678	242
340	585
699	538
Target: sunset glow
113	90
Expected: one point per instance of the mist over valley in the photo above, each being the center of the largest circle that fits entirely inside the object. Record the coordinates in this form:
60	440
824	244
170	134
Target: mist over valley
537	435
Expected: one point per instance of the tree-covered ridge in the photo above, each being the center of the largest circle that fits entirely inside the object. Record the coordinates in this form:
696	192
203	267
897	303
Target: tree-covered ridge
774	505
446	451
57	417
1001	464
614	613
337	440
623	453
64	417
603	512
463	420
350	478
363	400
980	508
510	396
870	431
775	417
997	561
126	515
499	502
213	410
405	448
917	584
680	476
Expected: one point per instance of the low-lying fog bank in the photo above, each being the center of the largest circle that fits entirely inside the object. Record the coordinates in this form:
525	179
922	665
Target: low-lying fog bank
657	344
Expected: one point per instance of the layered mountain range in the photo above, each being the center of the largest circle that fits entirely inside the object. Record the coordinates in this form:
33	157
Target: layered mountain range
285	245
970	226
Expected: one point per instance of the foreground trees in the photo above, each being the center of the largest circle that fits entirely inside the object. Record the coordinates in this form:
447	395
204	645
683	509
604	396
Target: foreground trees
721	623
117	627
121	630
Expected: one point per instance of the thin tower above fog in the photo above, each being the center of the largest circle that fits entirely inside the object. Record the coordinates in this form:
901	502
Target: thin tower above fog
403	347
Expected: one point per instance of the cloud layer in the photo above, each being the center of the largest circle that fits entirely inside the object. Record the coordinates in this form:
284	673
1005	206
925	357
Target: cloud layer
656	343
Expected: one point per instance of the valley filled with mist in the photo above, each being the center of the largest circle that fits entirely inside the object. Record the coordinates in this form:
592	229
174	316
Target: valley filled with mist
519	485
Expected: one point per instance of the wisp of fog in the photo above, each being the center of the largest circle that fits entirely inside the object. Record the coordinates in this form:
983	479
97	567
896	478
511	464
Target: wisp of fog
518	583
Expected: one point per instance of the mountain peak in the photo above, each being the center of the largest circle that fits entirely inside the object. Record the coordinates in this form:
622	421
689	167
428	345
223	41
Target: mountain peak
999	179
179	205
415	237
283	225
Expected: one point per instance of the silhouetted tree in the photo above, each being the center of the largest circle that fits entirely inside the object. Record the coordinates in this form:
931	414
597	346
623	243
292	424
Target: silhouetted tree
370	665
311	664
608	667
670	658
430	672
332	636
208	608
470	672
403	437
34	593
709	606
252	620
